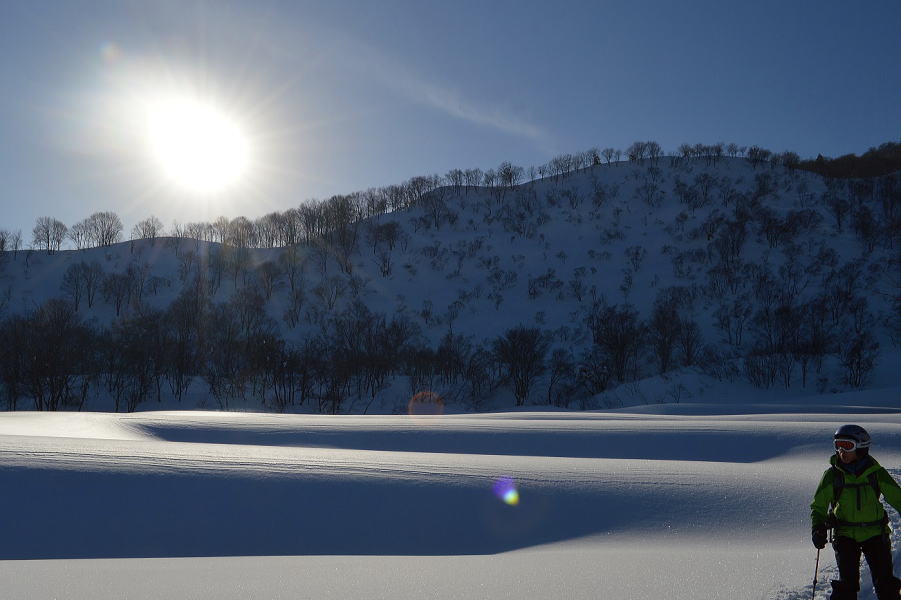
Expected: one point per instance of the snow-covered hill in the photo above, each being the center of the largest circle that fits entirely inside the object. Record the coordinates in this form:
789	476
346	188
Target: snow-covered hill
721	270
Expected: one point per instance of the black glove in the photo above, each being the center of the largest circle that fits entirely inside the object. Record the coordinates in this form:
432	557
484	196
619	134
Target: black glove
818	536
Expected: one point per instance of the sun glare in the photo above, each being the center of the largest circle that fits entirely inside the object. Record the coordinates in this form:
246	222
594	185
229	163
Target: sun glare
198	147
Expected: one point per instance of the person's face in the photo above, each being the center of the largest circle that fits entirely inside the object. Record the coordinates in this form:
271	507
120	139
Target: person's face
846	456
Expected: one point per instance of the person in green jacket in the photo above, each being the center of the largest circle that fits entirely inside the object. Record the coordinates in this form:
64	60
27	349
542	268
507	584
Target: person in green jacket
847	501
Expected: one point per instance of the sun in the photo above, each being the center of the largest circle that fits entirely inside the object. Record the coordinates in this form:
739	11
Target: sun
196	145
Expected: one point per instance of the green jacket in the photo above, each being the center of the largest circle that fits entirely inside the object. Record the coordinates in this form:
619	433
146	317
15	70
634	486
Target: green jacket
858	502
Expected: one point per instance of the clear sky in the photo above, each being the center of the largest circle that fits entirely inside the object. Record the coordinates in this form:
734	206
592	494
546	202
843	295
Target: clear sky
331	97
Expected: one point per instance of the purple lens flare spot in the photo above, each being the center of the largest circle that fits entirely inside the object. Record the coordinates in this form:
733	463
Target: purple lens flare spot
505	490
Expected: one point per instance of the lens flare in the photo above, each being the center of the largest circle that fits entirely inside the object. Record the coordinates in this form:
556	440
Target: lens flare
425	403
505	489
110	52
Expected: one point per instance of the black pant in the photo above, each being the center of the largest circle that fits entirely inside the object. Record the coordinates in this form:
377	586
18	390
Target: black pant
878	552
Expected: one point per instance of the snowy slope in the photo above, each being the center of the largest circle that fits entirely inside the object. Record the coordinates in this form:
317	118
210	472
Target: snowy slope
478	261
690	502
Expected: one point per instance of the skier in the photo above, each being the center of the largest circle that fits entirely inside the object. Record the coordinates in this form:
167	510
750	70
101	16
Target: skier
847	500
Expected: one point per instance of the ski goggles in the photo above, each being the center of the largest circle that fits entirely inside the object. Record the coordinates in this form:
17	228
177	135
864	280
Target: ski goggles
846	445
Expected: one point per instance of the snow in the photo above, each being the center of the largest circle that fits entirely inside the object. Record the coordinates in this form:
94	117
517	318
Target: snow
681	501
605	571
685	487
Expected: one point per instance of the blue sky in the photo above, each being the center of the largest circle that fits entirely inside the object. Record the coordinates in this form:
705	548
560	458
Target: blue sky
342	96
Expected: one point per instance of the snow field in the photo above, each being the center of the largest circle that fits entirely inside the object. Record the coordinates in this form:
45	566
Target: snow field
611	504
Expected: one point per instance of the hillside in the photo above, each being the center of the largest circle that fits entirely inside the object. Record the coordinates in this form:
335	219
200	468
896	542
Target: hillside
640	281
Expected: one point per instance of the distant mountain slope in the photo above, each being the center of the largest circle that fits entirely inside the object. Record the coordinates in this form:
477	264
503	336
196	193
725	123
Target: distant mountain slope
552	291
883	160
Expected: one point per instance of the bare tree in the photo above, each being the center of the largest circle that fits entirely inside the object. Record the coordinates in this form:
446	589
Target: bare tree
73	285
757	155
268	230
472	177
148	229
635	256
858	354
435	208
704	184
291	224
241	233
788	159
55	378
620	335
14	358
689	341
608	154
330	290
116	290
455	179
222	360
343	226
729	243
293	262
637	152
866	227
268	275
48	234
106	228
732	318
489	178
236	260
522	351
509	175
383	239
835	199
562	378
653	151
81	235
15	243
220	229
664	328
92	276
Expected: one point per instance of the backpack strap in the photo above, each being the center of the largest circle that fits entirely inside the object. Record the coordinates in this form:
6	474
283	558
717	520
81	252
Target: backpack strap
874	483
838	483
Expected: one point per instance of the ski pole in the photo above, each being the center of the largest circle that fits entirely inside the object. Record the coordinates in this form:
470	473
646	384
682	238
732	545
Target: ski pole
816	570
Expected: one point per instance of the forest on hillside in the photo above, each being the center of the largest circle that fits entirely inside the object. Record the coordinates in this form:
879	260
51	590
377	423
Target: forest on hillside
770	324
